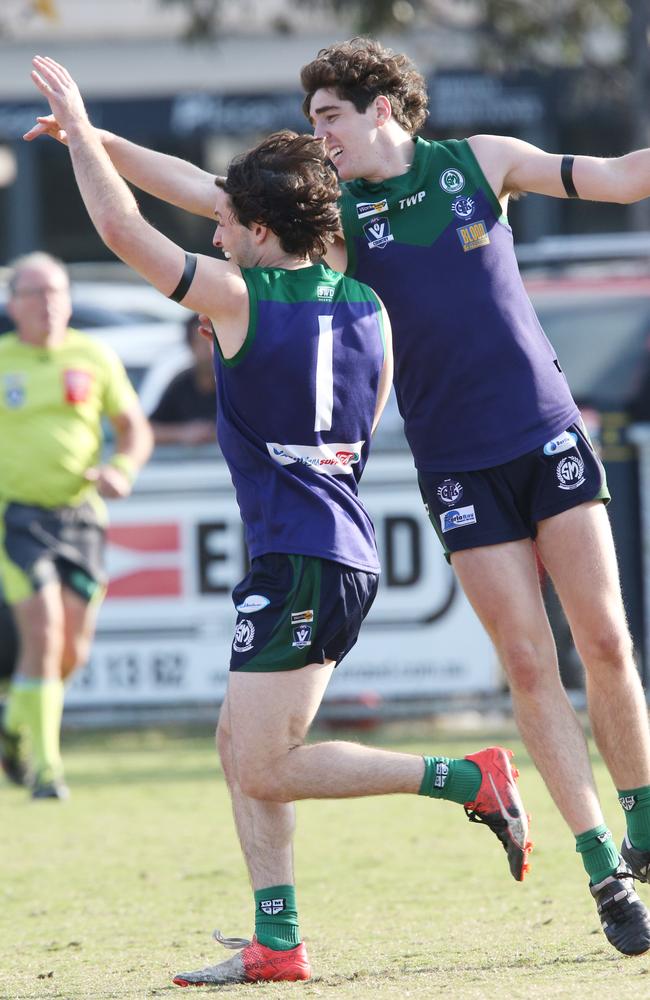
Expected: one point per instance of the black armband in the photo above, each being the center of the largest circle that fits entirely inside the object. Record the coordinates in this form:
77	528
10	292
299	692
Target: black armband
566	173
187	277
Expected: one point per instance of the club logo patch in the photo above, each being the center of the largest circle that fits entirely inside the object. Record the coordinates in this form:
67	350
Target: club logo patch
378	233
563	442
14	391
244	636
449	492
452	181
473	235
463	208
457	518
325	293
570	472
628	802
602	838
253	603
272	906
301	636
366	208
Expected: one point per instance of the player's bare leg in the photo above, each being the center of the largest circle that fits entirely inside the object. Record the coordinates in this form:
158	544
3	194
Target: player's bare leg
502	584
578	552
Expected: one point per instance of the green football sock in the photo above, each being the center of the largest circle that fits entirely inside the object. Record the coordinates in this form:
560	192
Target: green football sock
450	778
636	803
599	853
276	917
36	706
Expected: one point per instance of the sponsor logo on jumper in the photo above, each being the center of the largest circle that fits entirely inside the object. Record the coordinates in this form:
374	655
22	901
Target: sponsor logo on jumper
452	181
602	838
570	472
628	802
378	233
272	906
253	603
331	459
442	773
14	390
244	636
473	235
449	492
412	199
366	208
301	636
325	292
77	385
298	617
561	443
457	518
462	207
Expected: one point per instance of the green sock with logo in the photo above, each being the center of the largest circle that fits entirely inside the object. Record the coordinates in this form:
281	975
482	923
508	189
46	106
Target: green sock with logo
636	803
450	778
276	917
599	853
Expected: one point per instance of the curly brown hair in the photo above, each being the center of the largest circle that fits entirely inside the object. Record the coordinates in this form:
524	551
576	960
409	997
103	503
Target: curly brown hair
362	69
285	183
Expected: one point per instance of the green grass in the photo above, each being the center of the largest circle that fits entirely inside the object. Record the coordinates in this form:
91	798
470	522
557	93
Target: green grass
108	895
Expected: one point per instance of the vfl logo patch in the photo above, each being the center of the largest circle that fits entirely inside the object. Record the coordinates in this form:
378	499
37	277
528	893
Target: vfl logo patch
301	636
628	802
457	518
563	442
244	636
253	603
378	233
452	181
272	906
366	208
14	391
474	235
298	617
570	472
463	208
449	492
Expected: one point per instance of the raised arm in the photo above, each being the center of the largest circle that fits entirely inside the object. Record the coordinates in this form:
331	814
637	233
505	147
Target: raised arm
169	178
215	287
511	165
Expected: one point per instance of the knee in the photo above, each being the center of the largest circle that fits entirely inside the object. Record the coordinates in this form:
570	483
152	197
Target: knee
523	666
262	776
607	647
76	653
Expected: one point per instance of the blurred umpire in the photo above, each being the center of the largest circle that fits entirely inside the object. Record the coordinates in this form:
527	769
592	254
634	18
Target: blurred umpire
56	385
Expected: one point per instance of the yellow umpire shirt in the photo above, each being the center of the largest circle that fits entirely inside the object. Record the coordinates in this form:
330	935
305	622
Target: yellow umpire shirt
51	405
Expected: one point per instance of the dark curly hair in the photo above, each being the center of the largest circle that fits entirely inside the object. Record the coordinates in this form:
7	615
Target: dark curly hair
285	183
362	69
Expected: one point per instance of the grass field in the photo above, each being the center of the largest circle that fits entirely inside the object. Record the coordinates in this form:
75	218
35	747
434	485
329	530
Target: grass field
106	896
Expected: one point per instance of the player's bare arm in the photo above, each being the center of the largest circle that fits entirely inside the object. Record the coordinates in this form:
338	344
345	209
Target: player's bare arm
169	178
512	165
203	284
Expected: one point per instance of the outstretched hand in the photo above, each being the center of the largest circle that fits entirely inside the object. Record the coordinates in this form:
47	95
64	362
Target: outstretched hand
62	93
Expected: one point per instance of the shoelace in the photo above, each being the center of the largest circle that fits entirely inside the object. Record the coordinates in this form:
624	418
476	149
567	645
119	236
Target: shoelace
234	943
612	906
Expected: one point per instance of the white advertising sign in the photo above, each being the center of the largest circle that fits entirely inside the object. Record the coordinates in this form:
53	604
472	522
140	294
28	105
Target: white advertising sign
175	552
